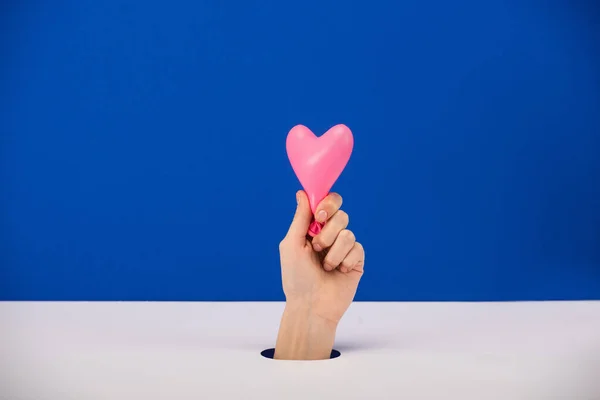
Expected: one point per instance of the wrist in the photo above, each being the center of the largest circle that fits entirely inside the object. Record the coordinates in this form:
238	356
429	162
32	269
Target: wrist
305	310
309	307
304	334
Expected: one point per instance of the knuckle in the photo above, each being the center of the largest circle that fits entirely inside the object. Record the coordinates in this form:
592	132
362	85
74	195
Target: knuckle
359	247
347	236
331	262
283	244
332	202
344	217
337	199
323	239
360	265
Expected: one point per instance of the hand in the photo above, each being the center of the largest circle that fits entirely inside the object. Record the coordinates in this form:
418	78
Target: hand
326	272
319	277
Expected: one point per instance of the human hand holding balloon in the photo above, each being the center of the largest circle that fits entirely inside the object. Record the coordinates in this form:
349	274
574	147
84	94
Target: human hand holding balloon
322	273
319	278
321	261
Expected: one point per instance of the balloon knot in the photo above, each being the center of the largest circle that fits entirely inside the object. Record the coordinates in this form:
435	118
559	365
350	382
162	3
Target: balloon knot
314	228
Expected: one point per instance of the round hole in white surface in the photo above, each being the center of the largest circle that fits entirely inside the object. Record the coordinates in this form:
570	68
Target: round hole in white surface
270	353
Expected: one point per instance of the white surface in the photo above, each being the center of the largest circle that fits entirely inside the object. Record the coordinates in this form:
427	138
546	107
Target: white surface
206	351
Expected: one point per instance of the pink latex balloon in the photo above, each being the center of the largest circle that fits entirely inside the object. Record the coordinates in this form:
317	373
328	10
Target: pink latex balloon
318	161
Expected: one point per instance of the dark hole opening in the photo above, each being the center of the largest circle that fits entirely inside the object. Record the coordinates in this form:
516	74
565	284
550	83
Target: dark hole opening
270	353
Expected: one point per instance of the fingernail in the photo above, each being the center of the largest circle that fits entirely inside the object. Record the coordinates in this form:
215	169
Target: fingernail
297	197
321	216
317	247
344	270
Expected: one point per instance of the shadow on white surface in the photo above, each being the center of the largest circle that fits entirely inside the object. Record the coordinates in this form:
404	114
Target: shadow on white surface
270	353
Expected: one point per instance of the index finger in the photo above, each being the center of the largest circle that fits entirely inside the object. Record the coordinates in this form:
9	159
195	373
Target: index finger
327	207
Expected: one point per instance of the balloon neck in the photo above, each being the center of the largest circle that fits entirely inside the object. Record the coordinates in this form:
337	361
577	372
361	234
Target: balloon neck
314	228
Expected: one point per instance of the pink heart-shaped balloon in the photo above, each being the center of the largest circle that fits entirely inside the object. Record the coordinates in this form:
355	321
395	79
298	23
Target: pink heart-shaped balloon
318	161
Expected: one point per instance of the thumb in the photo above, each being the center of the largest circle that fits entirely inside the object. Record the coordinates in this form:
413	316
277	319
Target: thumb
302	218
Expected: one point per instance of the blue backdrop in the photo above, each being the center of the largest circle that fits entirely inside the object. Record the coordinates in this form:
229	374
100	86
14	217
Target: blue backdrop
142	151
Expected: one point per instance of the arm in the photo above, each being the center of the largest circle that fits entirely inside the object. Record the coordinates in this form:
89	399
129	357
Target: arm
304	335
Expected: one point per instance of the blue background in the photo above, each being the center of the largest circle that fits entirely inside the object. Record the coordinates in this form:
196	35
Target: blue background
142	152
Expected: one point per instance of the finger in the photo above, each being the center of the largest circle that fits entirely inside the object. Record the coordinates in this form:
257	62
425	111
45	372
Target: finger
328	207
302	219
339	250
355	259
330	231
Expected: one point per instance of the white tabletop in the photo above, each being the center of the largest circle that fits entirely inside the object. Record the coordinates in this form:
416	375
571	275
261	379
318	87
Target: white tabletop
205	351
